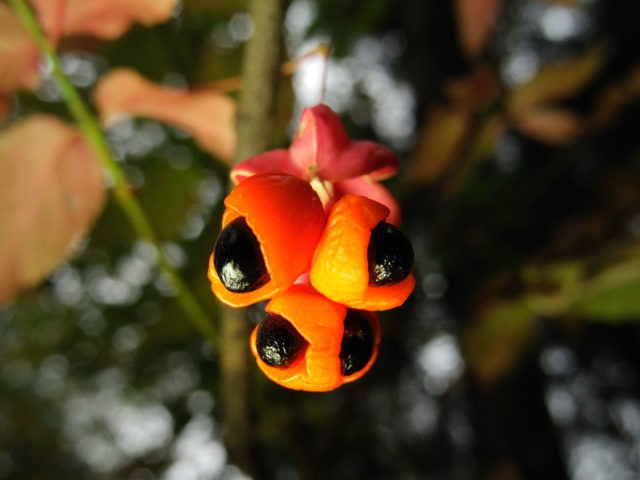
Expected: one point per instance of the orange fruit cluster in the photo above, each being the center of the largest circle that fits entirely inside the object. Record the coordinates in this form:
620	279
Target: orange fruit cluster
325	265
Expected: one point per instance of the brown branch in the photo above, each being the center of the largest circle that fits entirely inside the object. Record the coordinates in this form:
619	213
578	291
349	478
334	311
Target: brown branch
288	68
260	70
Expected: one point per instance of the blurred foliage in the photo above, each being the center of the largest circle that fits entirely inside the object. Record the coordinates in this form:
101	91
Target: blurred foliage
517	356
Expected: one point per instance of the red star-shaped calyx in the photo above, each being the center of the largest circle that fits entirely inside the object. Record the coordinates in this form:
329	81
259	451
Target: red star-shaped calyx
323	154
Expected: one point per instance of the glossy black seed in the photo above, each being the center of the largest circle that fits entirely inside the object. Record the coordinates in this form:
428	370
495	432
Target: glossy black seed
278	343
357	343
237	258
390	255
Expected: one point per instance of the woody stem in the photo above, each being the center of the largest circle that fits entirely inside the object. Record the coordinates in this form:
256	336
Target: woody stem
260	70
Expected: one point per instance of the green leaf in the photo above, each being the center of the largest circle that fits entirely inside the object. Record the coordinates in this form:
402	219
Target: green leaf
495	344
611	298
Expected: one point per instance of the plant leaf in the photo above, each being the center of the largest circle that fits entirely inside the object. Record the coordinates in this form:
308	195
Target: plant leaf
611	295
499	339
557	81
531	108
441	140
206	114
618	302
607	295
51	191
476	20
553	126
106	19
19	55
5	106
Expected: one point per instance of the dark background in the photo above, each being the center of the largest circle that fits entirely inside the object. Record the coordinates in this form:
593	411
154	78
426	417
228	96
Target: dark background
515	358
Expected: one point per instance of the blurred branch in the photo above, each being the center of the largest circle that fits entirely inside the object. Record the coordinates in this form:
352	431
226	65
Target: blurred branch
288	68
121	189
260	71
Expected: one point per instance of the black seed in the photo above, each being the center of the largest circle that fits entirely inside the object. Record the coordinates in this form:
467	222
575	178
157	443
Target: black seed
390	255
237	258
357	343
278	343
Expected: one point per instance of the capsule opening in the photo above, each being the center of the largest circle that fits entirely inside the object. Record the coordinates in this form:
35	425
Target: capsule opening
358	343
278	343
389	254
238	259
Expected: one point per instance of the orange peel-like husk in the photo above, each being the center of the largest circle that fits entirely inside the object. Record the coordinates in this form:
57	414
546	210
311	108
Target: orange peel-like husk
339	269
321	323
287	218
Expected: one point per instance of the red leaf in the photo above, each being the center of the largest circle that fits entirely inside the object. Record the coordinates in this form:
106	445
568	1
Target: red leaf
553	126
51	191
19	55
99	18
206	114
476	20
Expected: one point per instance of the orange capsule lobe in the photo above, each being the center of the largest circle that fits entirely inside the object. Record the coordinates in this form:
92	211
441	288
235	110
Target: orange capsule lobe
285	216
341	266
308	342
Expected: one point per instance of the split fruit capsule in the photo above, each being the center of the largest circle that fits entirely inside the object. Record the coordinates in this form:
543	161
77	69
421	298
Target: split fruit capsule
270	228
307	342
362	261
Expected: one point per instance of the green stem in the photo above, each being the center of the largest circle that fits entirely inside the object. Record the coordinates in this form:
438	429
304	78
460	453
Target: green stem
122	192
